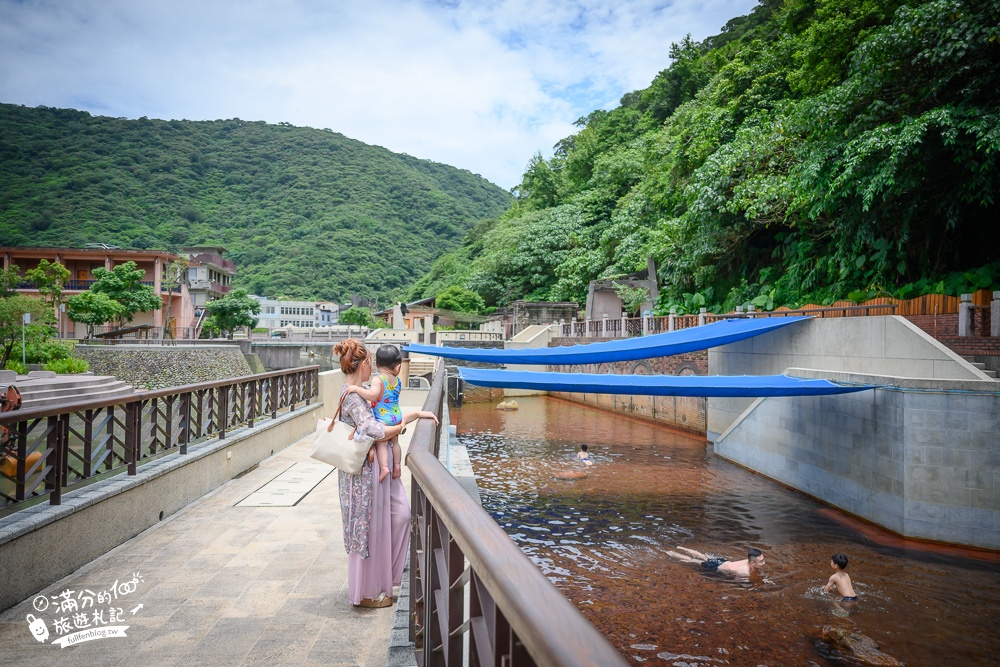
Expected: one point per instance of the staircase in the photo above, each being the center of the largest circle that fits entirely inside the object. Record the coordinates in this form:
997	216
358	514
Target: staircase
422	367
981	365
43	392
982	352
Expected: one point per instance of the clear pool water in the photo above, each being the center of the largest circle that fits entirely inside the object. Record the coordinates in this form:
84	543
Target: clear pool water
602	535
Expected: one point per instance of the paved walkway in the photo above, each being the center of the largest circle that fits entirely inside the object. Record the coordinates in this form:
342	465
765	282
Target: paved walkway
219	584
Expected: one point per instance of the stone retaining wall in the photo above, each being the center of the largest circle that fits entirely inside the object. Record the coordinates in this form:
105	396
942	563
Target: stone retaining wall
154	367
684	413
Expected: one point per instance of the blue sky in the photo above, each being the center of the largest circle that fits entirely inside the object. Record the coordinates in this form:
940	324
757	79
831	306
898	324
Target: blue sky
478	85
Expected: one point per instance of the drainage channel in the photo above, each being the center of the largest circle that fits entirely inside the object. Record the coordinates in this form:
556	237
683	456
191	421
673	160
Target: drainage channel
288	488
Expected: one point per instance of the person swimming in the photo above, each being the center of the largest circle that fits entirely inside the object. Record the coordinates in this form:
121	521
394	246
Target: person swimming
584	456
739	568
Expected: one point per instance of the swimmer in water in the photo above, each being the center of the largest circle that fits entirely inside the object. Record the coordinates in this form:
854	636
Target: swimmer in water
584	456
735	568
840	581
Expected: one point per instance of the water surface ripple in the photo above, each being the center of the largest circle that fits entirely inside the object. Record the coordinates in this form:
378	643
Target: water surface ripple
602	538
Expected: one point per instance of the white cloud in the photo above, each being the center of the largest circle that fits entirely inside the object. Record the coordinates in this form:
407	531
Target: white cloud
479	85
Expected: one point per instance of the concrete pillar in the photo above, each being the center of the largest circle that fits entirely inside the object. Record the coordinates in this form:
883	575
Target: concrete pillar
750	311
604	326
701	316
671	324
572	327
995	315
739	311
398	323
965	315
428	326
645	325
404	369
624	331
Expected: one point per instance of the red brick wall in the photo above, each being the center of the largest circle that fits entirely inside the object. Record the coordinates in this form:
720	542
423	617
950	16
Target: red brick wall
945	329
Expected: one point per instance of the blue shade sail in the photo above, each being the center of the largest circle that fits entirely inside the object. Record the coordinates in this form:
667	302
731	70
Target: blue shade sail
692	339
730	386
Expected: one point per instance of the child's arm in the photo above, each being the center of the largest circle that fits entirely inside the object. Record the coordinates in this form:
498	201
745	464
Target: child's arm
830	584
372	394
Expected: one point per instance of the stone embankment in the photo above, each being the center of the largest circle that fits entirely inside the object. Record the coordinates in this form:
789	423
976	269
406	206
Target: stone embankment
148	367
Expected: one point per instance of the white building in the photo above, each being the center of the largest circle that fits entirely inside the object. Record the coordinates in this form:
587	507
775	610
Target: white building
277	313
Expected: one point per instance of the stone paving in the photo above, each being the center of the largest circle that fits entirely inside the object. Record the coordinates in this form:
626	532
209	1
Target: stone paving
219	584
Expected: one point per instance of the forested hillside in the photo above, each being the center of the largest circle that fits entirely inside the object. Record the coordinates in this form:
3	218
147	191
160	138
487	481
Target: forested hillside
303	212
813	150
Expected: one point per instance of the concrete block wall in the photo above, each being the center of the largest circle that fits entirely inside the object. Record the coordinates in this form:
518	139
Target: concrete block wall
890	346
683	413
922	463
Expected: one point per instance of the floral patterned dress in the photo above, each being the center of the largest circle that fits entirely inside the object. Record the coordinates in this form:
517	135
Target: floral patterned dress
376	516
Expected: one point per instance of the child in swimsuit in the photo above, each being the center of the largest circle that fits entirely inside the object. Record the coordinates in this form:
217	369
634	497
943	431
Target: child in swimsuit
584	456
840	581
384	397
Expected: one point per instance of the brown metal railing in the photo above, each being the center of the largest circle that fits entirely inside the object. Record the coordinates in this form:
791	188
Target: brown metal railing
52	449
517	617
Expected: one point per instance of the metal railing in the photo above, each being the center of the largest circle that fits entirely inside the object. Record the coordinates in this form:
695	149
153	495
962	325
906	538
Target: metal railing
516	616
641	326
49	450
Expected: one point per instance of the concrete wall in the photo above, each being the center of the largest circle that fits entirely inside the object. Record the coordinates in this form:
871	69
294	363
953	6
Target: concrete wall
888	345
680	412
919	457
44	543
534	336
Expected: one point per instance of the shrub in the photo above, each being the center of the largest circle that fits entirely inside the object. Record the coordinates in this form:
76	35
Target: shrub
67	366
16	366
43	353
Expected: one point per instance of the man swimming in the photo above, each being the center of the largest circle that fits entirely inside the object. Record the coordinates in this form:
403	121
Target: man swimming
735	568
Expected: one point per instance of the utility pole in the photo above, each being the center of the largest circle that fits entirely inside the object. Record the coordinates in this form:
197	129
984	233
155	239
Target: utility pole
25	321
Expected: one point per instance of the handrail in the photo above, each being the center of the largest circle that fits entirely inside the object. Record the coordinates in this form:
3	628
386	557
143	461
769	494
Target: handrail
50	449
517	616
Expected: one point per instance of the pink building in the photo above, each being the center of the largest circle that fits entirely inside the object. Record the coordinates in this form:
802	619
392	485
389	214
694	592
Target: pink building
81	263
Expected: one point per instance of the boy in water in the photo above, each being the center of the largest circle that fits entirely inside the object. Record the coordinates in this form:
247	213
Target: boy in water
384	397
736	568
584	456
840	581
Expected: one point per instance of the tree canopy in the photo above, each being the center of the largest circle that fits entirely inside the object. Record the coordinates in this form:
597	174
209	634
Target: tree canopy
304	213
233	311
814	150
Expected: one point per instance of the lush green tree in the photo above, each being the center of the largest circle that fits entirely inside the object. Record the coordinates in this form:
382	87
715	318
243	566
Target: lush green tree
360	316
10	278
12	327
49	278
815	150
93	309
293	206
123	284
460	300
234	311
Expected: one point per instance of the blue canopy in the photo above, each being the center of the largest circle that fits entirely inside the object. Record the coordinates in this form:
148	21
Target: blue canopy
730	386
692	339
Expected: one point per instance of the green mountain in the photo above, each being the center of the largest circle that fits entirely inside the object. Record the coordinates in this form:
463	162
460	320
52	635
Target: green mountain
303	212
814	150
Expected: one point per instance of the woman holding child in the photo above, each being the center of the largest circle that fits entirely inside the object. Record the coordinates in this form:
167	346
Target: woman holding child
375	512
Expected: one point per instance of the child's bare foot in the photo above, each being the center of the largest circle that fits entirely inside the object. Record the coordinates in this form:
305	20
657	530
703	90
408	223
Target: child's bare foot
396	472
382	475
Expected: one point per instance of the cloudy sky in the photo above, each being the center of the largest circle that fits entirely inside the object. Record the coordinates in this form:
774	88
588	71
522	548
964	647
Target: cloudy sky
480	84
